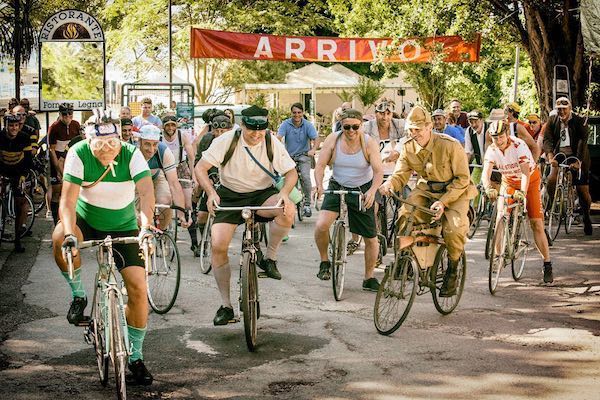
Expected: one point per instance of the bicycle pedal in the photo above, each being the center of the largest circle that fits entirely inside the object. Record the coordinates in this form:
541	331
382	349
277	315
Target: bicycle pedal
262	275
85	322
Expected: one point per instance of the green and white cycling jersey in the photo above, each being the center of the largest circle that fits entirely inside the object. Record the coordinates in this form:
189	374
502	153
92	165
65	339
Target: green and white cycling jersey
109	205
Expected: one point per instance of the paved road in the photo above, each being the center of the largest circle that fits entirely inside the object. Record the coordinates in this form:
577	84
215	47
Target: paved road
528	341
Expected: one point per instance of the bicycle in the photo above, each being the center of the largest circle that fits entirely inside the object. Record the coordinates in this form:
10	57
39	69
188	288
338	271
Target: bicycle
205	236
249	305
338	251
420	263
299	182
36	189
8	212
107	324
163	271
563	204
511	241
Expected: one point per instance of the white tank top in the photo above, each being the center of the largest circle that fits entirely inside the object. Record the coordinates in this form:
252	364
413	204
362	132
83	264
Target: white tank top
175	147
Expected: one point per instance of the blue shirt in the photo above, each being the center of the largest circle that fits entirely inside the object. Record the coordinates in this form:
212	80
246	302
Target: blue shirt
297	139
152	119
455	132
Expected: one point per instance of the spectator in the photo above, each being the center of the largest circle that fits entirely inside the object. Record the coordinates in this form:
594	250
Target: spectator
440	126
461	116
146	117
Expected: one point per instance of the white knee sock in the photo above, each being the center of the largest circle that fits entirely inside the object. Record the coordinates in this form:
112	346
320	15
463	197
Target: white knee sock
276	235
223	276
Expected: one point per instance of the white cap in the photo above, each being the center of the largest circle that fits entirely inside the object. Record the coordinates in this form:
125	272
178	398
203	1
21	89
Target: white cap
149	132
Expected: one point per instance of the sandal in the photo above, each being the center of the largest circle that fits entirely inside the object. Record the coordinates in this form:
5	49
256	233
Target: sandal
351	247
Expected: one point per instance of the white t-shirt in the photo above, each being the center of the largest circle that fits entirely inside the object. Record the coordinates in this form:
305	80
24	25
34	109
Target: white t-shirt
509	161
241	174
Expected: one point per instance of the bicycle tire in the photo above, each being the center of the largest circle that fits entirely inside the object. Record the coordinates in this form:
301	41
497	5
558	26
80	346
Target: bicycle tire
38	194
205	247
556	213
338	259
396	294
100	316
164	279
249	304
521	243
479	211
118	346
569	209
497	256
490	232
3	219
391	210
299	211
382	229
9	220
445	305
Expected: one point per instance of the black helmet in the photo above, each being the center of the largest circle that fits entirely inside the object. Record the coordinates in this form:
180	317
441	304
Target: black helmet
11	118
65	108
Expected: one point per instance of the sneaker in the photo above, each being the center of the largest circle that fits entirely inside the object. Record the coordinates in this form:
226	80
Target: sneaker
139	374
587	225
307	212
223	316
324	271
351	247
48	214
196	251
75	314
270	268
371	285
285	238
548	278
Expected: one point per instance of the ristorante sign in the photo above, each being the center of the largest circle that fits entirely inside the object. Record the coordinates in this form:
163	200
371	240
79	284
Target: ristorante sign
247	46
71	26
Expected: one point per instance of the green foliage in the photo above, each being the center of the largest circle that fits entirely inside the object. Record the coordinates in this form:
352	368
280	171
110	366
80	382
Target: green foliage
368	91
345	96
258	99
277	116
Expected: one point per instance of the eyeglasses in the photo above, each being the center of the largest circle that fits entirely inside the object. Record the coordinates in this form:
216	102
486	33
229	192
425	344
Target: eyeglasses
353	127
98	144
220	125
382	107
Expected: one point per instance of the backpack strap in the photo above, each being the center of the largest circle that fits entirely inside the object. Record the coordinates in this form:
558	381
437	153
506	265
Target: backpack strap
268	140
232	146
180	146
363	147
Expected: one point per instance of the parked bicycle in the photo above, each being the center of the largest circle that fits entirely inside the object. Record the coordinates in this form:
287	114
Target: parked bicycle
562	210
510	242
249	305
420	263
107	325
338	251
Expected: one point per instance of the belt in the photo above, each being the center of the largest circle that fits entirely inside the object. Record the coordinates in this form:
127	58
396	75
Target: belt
437	187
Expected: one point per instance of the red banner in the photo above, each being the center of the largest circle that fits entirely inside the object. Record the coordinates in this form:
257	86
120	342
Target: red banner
248	46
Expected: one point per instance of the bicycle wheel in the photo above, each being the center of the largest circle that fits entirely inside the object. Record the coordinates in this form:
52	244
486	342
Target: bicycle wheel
3	222
396	294
556	213
521	243
249	304
205	246
479	211
569	209
490	232
445	305
381	223
38	194
9	219
163	280
98	325
497	256
338	259
391	211
118	344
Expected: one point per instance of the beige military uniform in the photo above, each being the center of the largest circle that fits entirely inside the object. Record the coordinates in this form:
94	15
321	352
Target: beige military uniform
443	164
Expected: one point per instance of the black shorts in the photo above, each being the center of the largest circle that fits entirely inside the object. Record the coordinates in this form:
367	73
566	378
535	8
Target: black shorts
361	222
229	198
125	255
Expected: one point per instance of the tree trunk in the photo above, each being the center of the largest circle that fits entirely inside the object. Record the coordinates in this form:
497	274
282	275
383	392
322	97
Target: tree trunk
555	40
17	44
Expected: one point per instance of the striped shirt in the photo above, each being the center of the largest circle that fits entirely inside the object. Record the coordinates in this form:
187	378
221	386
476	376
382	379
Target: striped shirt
109	205
509	161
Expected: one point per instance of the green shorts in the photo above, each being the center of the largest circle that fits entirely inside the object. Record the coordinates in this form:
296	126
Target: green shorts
361	222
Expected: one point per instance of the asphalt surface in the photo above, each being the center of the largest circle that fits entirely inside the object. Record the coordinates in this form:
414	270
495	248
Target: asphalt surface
529	341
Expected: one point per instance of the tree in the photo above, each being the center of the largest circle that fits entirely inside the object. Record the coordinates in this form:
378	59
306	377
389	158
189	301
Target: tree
368	91
18	38
550	31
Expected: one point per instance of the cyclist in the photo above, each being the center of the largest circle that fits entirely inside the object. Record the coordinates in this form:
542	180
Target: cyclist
444	185
60	134
243	183
301	142
16	160
163	168
567	133
220	124
521	178
521	129
127	131
101	176
356	163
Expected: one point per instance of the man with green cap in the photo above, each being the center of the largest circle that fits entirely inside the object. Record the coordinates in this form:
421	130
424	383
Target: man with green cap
237	155
444	186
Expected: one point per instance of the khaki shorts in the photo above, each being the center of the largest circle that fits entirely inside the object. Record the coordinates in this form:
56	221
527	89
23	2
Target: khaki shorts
183	172
161	187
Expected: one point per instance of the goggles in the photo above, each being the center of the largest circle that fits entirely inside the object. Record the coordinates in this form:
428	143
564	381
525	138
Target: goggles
99	143
353	127
169	119
562	103
221	125
383	106
11	119
256	123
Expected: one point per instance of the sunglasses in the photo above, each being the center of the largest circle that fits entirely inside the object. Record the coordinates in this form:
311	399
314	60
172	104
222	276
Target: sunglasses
98	144
220	125
382	107
353	127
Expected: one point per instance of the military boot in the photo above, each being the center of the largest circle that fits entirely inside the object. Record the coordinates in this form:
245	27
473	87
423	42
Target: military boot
448	288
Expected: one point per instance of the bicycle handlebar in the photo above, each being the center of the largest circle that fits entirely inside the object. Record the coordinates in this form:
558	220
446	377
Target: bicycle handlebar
250	208
98	242
416	206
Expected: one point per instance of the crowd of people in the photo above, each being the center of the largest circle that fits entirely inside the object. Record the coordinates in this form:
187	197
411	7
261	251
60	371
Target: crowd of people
108	173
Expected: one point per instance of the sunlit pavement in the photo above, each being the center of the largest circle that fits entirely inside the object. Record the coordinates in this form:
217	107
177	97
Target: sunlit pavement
528	341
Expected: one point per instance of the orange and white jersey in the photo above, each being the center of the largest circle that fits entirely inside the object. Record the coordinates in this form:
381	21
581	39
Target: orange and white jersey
509	161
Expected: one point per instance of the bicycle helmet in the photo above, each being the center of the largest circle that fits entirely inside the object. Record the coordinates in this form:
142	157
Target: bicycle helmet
498	128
